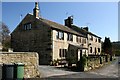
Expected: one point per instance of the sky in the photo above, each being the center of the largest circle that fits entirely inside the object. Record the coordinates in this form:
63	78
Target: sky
100	17
119	22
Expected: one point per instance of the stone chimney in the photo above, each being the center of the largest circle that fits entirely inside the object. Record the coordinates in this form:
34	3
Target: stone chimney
85	28
69	21
36	10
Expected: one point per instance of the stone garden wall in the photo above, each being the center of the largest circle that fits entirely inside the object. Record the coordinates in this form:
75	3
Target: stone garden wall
30	59
96	61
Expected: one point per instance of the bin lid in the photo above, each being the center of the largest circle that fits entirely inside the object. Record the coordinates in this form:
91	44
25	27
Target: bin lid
20	64
10	64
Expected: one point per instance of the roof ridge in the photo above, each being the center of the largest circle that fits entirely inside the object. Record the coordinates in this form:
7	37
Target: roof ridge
87	31
58	26
61	26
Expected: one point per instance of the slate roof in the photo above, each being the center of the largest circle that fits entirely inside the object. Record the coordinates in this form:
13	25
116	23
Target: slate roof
58	26
78	46
74	30
80	30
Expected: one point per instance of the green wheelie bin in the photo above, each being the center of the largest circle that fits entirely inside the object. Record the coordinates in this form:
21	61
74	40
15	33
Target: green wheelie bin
19	70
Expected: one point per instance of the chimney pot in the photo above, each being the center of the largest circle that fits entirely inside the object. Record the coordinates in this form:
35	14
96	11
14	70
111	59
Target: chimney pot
36	10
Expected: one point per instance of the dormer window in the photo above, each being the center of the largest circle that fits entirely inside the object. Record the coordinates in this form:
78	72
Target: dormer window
27	26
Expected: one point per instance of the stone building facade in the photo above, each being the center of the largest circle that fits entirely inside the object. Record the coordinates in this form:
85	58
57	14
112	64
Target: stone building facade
51	40
93	41
94	44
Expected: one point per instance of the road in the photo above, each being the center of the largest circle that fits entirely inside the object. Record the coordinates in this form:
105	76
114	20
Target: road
107	71
110	70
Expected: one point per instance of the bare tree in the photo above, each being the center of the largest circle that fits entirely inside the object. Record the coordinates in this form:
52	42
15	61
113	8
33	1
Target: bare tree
5	31
4	36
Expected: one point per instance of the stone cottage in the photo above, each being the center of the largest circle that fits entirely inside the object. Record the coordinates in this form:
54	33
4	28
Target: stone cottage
51	40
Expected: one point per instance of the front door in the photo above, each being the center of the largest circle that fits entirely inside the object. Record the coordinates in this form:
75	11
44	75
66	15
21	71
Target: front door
79	54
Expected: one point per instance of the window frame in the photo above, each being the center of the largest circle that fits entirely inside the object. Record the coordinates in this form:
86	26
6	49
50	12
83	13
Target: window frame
96	40
84	41
98	49
27	26
99	40
69	37
60	35
76	38
62	53
91	37
90	49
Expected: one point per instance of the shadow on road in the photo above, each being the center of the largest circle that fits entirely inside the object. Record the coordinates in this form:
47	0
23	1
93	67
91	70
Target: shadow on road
73	69
81	75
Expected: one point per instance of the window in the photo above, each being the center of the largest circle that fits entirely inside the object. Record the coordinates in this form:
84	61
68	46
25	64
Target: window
80	39
98	49
76	38
90	49
96	40
69	37
65	51
95	50
60	35
62	52
99	40
27	26
91	38
84	40
57	35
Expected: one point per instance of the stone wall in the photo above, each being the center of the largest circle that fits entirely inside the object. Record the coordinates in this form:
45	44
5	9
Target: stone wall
30	59
94	62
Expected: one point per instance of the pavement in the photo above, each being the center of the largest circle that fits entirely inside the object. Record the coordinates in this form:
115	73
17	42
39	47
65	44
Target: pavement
108	71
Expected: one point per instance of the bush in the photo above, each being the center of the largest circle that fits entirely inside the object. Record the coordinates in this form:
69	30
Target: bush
101	60
82	63
117	52
106	58
110	57
54	63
